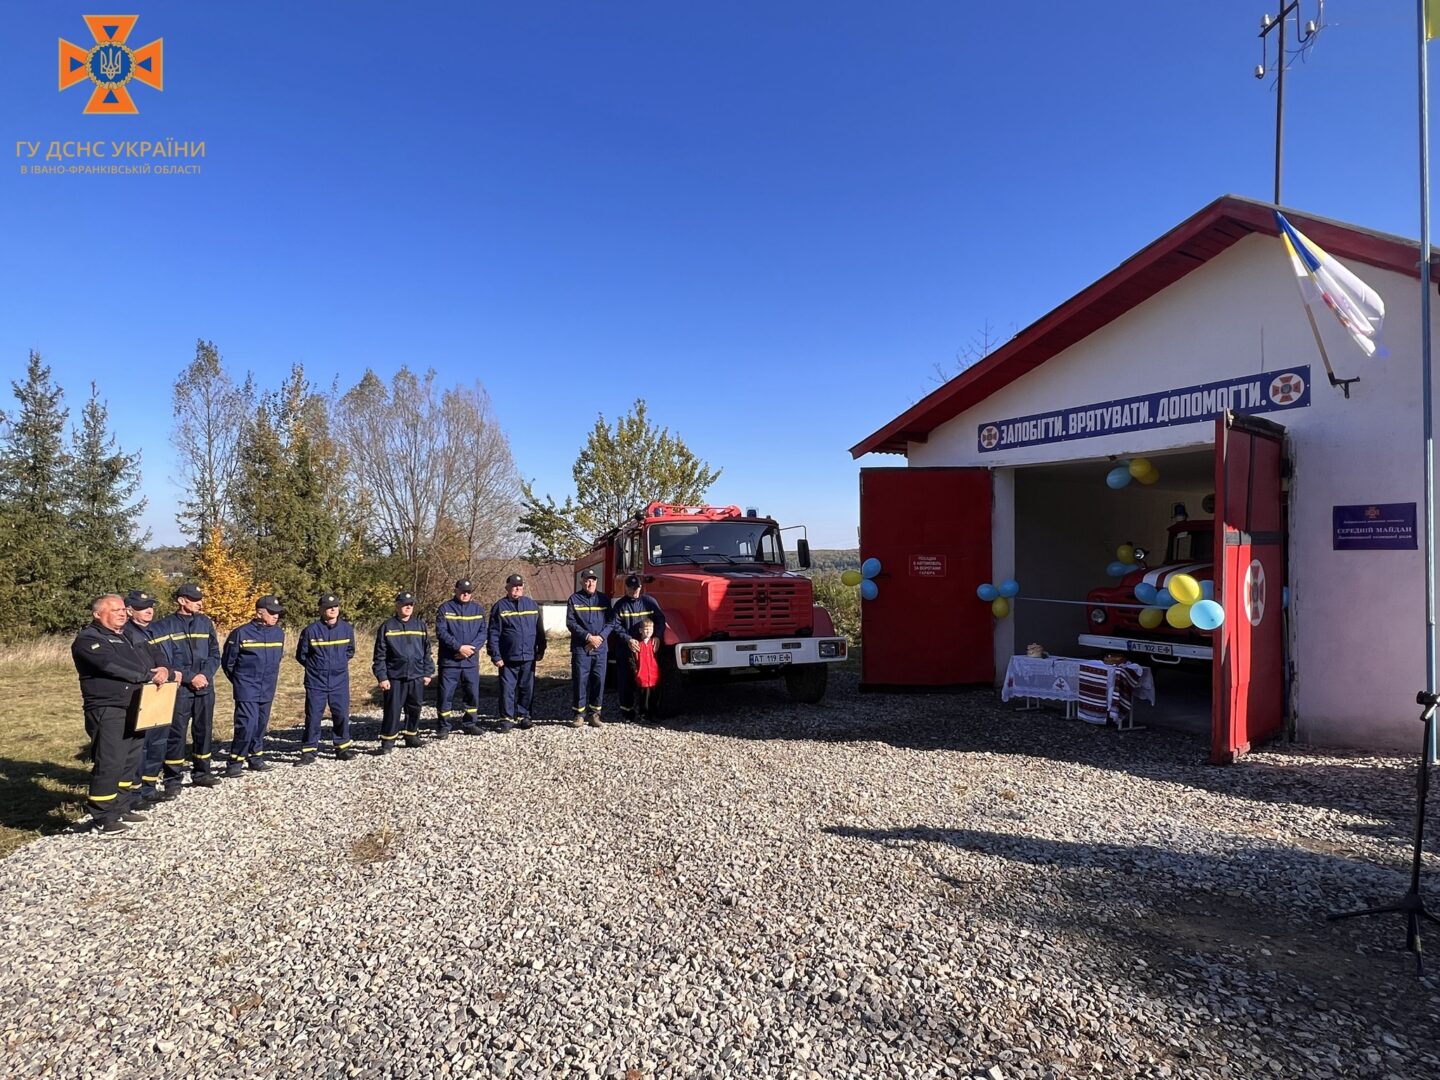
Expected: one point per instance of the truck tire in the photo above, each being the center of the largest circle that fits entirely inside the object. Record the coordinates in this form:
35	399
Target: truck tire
672	688
805	683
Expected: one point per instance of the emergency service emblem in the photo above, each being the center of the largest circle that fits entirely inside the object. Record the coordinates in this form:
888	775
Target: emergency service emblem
111	64
1255	592
989	436
1287	389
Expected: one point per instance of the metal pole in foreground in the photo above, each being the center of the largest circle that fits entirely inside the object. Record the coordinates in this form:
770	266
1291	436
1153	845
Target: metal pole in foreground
1425	381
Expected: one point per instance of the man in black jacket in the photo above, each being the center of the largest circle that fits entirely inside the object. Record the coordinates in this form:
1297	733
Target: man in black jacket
403	667
112	670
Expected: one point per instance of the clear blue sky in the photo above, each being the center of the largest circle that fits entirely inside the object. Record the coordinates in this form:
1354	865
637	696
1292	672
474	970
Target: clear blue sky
771	220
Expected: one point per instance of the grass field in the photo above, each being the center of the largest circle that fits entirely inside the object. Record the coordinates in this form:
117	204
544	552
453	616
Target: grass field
43	774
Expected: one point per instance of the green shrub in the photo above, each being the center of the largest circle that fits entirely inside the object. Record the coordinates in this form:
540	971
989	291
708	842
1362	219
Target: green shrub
841	601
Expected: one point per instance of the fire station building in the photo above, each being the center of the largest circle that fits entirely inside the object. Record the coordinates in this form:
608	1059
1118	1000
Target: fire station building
1198	355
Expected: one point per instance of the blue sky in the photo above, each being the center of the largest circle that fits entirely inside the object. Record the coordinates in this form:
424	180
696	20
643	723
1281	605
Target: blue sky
771	220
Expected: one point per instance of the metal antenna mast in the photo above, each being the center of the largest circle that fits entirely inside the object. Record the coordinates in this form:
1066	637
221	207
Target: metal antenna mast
1305	35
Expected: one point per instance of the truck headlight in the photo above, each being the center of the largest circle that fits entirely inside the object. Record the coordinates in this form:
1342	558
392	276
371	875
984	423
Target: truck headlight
698	654
831	649
1097	615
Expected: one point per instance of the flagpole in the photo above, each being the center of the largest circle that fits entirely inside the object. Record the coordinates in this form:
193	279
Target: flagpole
1425	389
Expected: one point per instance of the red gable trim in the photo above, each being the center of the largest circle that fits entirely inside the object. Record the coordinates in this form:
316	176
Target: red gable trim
1184	248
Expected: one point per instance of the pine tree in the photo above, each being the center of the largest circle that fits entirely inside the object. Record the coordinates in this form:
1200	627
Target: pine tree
35	543
618	473
102	517
227	581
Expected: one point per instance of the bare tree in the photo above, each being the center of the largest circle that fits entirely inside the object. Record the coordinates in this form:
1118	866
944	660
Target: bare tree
981	344
436	470
209	411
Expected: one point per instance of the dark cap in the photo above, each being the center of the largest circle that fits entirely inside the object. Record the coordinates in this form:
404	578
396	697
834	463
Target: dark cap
633	581
271	603
329	600
513	580
589	575
189	592
404	598
464	585
139	600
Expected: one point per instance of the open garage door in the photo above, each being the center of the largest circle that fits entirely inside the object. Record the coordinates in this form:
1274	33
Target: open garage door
1249	665
930	529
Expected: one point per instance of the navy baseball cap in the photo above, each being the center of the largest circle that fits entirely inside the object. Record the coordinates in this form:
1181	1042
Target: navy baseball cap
189	591
271	603
513	580
139	600
589	575
329	600
404	598
464	585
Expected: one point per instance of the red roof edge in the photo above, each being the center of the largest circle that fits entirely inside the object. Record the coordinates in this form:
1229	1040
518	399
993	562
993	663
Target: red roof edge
1191	244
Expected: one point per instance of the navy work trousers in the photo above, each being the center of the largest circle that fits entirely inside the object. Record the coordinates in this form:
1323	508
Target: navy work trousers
517	689
195	716
458	708
587	678
402	702
315	702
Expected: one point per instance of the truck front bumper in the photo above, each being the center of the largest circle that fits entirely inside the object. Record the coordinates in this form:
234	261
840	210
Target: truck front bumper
763	653
1139	646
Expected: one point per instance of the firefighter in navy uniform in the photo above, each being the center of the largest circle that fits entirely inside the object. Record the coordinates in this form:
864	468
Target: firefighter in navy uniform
460	629
251	662
629	610
324	651
515	641
139	630
403	667
112	670
590	622
188	637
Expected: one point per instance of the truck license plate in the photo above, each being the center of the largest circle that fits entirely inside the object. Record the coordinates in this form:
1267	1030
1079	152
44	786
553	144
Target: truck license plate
1155	648
761	658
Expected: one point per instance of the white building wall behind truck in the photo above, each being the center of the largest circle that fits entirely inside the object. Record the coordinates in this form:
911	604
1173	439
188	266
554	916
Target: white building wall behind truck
1357	616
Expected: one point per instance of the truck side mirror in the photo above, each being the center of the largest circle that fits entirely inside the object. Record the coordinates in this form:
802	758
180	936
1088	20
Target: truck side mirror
802	553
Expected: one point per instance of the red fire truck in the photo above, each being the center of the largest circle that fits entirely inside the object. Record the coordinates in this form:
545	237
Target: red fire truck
731	607
1190	550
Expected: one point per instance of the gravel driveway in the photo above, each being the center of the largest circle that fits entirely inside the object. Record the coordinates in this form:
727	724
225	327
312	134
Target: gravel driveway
879	886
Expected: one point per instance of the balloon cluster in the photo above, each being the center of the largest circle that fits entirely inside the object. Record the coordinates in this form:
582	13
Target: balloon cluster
999	596
1184	602
1125	561
1142	469
865	578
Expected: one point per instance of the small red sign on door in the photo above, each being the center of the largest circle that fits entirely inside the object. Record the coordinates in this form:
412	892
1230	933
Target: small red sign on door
927	565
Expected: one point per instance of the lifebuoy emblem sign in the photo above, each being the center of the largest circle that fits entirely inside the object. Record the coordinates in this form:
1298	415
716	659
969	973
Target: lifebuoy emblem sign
1254	593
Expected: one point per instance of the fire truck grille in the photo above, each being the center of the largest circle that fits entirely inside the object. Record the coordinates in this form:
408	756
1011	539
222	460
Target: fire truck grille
757	609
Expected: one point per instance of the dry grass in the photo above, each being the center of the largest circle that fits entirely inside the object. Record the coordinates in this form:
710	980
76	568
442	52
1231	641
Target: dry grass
377	845
43	771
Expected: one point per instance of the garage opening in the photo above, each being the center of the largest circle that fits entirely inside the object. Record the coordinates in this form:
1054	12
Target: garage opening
1069	529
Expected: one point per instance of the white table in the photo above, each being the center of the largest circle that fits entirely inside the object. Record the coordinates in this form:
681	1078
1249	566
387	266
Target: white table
1057	678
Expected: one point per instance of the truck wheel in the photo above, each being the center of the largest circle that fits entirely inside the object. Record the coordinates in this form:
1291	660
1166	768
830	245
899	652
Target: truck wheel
672	688
805	683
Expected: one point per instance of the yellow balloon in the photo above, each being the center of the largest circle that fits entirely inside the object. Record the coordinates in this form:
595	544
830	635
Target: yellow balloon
1150	477
1178	616
851	578
1152	617
1125	553
1184	588
1000	607
1140	466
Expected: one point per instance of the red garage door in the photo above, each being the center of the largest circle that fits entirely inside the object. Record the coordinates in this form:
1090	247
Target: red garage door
1249	703
930	529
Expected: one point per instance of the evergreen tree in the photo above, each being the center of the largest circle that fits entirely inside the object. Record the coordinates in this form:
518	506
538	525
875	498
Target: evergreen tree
35	542
618	473
103	519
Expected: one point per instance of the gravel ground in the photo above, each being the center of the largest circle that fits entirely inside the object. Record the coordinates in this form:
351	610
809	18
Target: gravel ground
876	886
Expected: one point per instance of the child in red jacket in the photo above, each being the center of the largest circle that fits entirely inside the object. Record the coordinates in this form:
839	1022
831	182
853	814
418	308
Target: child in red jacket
645	663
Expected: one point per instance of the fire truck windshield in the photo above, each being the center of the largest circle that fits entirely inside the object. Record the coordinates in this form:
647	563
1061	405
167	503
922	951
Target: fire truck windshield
1190	546
718	542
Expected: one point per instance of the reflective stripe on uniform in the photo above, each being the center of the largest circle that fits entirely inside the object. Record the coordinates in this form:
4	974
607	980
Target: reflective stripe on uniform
508	614
460	618
337	641
262	644
404	633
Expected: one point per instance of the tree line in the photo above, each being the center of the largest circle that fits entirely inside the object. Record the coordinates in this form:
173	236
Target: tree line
299	489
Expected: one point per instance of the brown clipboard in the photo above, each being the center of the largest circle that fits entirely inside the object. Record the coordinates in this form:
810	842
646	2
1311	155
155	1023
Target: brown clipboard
155	705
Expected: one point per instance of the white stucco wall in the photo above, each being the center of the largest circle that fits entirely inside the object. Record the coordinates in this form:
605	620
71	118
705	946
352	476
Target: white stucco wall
1357	616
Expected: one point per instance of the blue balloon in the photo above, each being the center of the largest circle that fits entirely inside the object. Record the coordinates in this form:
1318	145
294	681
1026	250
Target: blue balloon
1009	587
1207	590
1146	593
869	590
869	569
1164	599
1116	569
1207	614
984	592
1285	597
1118	477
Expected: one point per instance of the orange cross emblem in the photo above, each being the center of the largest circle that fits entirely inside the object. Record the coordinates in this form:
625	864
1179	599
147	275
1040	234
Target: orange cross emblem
111	64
